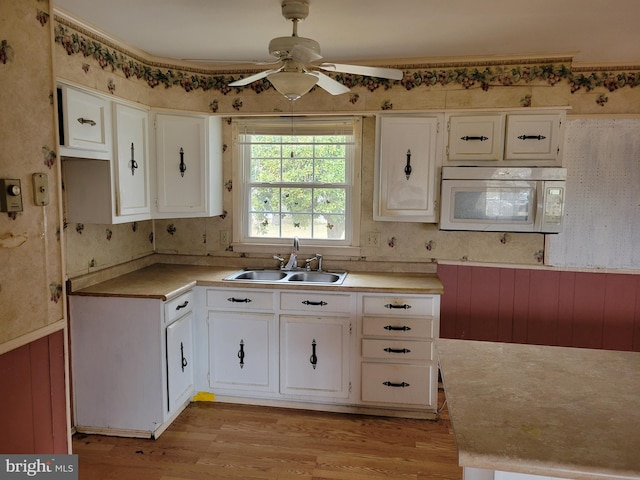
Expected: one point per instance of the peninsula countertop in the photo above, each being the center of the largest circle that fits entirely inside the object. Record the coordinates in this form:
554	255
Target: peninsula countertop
165	281
540	410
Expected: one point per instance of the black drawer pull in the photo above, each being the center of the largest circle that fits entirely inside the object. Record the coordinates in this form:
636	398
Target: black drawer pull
184	305
397	385
468	138
321	303
404	328
531	137
404	306
238	300
397	350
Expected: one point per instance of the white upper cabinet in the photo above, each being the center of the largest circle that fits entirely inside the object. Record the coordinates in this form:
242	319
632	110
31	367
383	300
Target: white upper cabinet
85	124
188	165
475	137
533	137
408	151
131	161
527	138
113	190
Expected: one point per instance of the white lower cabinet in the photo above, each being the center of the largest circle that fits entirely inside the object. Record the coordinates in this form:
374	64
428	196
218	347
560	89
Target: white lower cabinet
241	351
399	367
314	356
360	352
132	363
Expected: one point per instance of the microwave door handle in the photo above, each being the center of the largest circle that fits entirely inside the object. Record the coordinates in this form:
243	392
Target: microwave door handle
539	211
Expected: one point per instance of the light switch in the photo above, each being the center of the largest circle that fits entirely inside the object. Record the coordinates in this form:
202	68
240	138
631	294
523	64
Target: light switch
10	195
40	189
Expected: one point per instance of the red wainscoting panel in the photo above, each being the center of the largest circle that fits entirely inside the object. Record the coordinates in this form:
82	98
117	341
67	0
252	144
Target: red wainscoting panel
32	398
544	307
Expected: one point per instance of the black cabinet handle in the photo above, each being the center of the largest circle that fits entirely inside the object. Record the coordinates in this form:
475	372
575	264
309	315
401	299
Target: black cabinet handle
404	306
238	300
468	138
133	162
397	350
531	137
184	360
182	166
407	168
314	358
184	305
396	385
241	353
86	121
321	303
404	328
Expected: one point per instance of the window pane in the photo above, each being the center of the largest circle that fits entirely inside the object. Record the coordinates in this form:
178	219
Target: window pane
330	171
297	170
265	170
264	225
296	225
265	199
329	227
330	200
296	200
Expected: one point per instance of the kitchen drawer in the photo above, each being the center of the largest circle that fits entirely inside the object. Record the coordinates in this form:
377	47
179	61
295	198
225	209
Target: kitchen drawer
248	299
398	327
397	349
315	302
397	383
176	308
400	306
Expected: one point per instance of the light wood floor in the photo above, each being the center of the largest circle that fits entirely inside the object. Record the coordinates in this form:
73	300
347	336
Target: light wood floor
225	441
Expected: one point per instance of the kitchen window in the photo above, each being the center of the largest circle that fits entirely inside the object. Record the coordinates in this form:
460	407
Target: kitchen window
297	177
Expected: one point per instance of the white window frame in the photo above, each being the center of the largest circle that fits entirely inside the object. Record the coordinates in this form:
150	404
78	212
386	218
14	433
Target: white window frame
242	242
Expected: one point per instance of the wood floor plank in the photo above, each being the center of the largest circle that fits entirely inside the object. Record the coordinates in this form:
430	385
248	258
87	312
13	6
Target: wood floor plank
244	442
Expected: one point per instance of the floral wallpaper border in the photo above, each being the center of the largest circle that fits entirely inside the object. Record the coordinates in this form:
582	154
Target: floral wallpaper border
76	41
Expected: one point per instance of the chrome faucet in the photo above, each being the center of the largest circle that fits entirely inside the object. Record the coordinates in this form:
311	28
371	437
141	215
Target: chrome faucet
292	264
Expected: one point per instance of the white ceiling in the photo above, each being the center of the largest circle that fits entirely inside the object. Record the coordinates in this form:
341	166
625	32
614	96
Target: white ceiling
605	31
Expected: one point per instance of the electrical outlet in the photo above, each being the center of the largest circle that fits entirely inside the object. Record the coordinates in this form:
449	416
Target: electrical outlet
224	237
373	239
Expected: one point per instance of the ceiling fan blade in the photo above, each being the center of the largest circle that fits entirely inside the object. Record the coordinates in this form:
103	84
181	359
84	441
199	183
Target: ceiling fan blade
252	78
304	55
380	72
329	84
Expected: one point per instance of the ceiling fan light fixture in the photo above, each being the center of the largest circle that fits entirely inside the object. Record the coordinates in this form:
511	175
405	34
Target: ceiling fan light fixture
292	85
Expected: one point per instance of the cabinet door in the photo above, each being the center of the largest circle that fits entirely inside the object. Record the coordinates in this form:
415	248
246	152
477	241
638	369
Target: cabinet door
181	152
533	137
241	349
86	124
180	361
406	169
475	137
131	161
314	356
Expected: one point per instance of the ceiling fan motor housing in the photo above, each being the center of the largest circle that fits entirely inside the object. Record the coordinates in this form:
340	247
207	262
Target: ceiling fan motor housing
280	47
295	9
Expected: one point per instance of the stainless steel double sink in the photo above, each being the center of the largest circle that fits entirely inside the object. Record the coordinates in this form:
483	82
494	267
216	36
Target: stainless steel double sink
288	276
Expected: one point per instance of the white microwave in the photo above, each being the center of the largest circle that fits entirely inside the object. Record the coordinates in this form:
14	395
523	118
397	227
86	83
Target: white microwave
503	199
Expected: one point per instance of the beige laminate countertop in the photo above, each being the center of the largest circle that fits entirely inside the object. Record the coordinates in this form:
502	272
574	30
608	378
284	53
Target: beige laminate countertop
556	411
165	281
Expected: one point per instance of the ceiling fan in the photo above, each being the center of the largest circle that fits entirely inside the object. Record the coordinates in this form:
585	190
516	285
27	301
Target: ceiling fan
299	59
